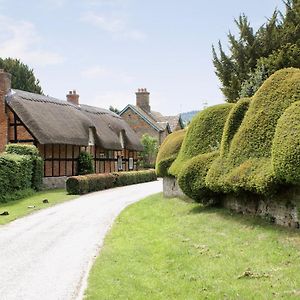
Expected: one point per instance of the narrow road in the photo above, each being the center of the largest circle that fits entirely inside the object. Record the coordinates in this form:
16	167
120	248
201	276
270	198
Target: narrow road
48	254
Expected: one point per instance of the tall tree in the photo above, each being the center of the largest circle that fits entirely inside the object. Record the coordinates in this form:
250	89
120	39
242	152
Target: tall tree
255	55
23	77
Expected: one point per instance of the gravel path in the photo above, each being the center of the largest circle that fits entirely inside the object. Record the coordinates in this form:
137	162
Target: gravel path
48	254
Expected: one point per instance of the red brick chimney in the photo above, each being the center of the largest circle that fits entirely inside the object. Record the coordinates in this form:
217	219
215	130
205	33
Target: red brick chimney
73	98
142	100
5	86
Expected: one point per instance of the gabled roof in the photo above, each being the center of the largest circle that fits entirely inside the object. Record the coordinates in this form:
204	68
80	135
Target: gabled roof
156	119
53	121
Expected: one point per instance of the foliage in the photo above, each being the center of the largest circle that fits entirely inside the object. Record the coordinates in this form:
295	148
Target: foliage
246	164
171	249
36	160
15	174
256	55
148	155
78	185
203	135
286	147
114	109
85	163
191	178
168	152
23	77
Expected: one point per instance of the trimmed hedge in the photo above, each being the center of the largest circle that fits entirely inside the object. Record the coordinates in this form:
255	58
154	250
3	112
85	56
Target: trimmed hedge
79	185
168	152
15	174
203	135
286	146
246	164
191	178
37	161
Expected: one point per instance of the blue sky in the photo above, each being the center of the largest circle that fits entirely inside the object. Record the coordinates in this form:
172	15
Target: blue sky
107	49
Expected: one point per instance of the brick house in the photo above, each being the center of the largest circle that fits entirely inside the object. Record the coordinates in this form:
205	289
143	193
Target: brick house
143	120
62	129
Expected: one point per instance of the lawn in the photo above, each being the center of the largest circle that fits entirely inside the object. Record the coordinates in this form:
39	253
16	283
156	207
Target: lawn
170	249
19	208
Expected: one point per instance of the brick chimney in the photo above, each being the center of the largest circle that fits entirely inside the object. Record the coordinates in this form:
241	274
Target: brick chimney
5	86
142	99
73	98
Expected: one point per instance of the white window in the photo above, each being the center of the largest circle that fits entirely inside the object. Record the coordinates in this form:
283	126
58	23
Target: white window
131	165
120	163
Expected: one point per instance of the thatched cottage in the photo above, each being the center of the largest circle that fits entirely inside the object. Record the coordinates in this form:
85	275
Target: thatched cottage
61	129
143	120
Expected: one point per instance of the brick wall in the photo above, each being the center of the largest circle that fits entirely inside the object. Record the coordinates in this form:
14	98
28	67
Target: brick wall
5	84
141	127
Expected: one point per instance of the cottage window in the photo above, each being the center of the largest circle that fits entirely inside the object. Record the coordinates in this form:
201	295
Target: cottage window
110	154
120	163
130	163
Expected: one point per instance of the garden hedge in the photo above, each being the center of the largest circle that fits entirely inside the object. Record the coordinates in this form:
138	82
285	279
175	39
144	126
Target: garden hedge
36	160
203	135
247	165
78	185
168	152
192	176
15	174
286	146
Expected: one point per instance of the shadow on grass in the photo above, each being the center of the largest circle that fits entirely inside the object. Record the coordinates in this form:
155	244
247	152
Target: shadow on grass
243	219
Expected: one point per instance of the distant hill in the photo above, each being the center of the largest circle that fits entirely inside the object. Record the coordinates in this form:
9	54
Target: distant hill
187	116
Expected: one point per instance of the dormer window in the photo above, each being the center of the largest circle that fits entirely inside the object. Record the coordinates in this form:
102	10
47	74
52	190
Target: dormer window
91	137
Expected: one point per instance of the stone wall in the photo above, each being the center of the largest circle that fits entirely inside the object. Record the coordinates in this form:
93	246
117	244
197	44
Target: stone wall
171	188
282	209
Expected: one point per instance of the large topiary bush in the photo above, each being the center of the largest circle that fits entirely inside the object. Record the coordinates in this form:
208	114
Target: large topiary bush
246	163
192	176
85	163
286	146
168	152
203	135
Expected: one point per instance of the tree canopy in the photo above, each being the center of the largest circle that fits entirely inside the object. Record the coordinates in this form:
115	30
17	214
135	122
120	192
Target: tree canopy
23	77
254	56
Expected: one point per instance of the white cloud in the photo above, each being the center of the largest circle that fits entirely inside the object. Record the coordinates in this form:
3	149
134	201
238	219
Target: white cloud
114	25
20	39
98	72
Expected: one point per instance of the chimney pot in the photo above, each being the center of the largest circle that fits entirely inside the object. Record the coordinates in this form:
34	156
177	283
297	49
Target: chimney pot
142	99
73	98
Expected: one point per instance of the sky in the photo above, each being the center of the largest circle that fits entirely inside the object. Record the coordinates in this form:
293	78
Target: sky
107	49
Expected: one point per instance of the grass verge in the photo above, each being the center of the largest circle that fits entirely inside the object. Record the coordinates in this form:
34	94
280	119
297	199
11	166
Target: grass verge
19	208
170	249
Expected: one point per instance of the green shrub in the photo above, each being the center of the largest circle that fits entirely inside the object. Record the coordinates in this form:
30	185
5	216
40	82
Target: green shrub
15	174
37	161
246	164
85	163
78	185
191	178
168	152
203	135
286	146
233	123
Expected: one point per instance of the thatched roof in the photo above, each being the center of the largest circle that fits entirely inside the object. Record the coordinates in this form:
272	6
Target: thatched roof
53	121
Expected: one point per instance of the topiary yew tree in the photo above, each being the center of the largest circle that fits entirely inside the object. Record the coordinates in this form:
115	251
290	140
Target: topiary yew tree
168	152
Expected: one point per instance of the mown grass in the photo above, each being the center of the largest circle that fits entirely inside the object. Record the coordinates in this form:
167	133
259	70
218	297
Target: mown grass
170	249
19	208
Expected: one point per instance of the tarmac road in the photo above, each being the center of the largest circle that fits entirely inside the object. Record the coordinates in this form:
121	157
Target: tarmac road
47	255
